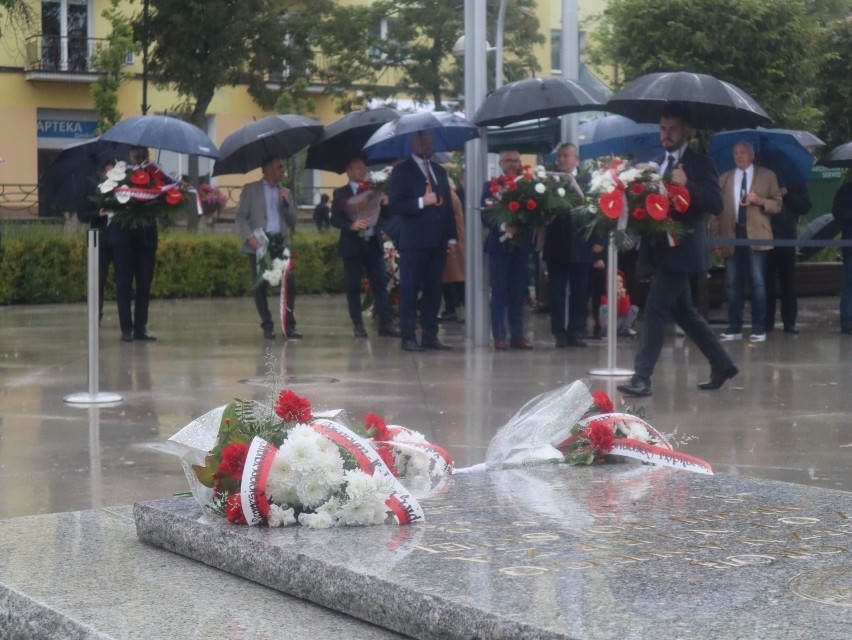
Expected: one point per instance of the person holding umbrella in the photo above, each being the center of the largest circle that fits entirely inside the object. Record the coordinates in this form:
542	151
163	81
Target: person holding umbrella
268	207
669	294
419	193
842	211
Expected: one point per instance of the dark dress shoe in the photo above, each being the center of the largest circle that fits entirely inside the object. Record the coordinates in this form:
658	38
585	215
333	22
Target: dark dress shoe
501	344
143	335
436	345
389	331
269	335
718	378
791	329
411	345
294	335
447	317
576	342
126	336
637	388
520	343
561	342
359	331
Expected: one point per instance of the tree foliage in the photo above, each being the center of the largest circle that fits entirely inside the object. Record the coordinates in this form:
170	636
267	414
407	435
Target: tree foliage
834	82
16	13
109	59
762	46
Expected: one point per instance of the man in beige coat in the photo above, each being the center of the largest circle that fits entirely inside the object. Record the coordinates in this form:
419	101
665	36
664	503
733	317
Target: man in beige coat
750	194
266	205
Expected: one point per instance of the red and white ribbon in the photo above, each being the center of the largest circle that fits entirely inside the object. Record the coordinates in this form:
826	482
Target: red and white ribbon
283	297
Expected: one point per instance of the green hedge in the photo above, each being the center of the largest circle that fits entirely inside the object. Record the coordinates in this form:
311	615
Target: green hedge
39	266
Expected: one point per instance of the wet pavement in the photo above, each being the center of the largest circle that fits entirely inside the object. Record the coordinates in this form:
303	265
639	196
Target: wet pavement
785	417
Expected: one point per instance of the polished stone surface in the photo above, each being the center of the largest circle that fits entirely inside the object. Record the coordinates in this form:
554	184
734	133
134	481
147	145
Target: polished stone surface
623	550
785	417
86	576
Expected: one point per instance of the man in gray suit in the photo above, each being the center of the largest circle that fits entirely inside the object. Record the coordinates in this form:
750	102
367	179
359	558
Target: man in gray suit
267	205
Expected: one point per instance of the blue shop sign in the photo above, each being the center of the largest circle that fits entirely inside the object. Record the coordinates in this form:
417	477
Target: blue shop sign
56	128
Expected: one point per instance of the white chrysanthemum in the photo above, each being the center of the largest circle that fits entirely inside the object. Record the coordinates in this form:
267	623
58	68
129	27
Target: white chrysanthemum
302	455
122	196
634	430
601	182
121	165
367	510
305	433
419	464
312	491
631	175
560	192
540	169
316	520
272	277
541	175
409	435
107	185
278	264
280	517
331	507
540	188
378	176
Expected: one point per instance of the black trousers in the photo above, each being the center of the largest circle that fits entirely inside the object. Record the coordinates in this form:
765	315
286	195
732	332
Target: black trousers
134	273
372	262
574	279
669	298
420	272
261	299
781	283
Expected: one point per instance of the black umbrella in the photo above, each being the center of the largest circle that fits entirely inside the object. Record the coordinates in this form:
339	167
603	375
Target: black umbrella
838	157
450	131
710	103
344	139
69	181
281	135
536	98
163	132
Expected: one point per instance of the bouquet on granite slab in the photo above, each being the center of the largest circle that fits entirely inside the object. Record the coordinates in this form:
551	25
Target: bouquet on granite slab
571	425
281	464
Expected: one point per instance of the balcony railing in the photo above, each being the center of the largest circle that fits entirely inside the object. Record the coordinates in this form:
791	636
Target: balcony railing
57	56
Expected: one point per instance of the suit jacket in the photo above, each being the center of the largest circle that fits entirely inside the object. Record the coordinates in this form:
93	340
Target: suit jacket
841	209
758	225
251	215
350	243
427	228
565	241
796	203
705	198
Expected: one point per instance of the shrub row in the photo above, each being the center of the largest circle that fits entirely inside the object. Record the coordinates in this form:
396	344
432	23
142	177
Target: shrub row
40	266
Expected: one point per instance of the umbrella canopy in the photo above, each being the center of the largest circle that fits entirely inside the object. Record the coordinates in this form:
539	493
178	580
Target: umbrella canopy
344	139
281	135
776	150
618	136
711	103
805	138
163	132
530	136
838	157
70	180
536	98
393	140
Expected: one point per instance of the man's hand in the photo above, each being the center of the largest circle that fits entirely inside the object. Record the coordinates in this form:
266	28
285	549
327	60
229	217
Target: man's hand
285	195
359	225
430	199
253	242
679	176
753	198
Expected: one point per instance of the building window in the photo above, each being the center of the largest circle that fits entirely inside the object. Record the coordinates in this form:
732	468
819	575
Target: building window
384	32
556	49
65	35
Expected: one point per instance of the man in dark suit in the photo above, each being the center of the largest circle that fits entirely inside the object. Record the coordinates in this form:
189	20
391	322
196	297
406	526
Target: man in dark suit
419	193
360	246
669	296
508	266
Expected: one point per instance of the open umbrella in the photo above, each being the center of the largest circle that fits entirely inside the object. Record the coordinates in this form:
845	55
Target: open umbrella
536	98
69	181
618	136
525	136
281	135
838	157
393	140
711	103
345	138
774	149
162	132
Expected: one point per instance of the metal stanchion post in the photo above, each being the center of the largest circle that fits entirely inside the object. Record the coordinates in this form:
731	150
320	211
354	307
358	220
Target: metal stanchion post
93	396
611	317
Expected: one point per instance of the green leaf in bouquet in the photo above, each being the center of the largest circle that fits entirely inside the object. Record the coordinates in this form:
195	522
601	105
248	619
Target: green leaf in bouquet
205	473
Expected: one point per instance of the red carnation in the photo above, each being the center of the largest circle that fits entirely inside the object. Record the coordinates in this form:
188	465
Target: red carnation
603	402
233	460
364	186
173	196
638	213
511	184
612	203
657	206
293	408
140	177
679	196
600	435
375	422
510	177
514	207
528	176
494	188
531	205
234	509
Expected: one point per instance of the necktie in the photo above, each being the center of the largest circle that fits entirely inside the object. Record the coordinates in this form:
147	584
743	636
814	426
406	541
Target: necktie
741	211
428	172
670	165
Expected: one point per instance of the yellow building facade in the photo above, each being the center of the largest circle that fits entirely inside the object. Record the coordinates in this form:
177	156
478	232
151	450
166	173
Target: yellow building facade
46	104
